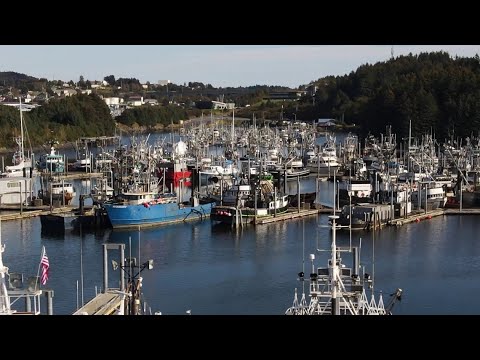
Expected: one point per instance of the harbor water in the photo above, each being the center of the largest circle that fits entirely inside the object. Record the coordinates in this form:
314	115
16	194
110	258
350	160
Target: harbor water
213	269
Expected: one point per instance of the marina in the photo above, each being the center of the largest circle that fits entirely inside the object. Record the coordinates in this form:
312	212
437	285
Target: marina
349	194
252	257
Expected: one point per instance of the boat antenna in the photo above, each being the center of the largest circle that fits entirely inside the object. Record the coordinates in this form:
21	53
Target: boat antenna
139	245
373	258
21	128
334	270
81	261
139	262
350	225
130	258
334	267
303	254
4	298
334	192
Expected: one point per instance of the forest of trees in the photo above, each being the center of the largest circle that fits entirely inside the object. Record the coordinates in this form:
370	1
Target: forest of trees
61	119
438	93
151	116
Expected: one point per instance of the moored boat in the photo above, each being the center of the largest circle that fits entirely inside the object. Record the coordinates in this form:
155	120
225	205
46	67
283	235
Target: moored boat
152	208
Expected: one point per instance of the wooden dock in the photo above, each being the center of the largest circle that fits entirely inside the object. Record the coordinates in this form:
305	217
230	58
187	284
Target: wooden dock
32	212
433	213
462	212
417	217
328	211
290	214
102	304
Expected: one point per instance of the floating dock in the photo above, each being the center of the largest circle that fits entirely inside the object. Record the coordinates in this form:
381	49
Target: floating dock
417	217
433	213
462	212
291	213
32	212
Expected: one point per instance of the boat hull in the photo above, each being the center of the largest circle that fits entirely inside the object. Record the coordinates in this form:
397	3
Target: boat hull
127	216
226	214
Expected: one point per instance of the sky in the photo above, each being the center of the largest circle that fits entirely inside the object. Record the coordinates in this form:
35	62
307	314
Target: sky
219	65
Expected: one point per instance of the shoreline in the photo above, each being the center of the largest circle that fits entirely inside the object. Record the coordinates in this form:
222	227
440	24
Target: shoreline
130	130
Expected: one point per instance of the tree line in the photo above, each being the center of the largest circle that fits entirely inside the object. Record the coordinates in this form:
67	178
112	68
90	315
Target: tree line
438	93
60	119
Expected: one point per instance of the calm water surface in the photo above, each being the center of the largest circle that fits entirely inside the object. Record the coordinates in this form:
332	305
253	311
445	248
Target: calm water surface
212	269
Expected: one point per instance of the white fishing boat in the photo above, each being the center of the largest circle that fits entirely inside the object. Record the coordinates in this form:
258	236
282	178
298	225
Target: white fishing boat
21	164
340	290
16	190
56	191
52	162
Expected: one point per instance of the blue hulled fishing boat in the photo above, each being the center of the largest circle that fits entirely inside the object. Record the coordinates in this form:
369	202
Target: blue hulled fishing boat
152	208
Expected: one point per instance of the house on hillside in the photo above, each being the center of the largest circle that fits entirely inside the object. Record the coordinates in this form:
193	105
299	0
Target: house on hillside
41	98
135	100
65	92
152	102
289	95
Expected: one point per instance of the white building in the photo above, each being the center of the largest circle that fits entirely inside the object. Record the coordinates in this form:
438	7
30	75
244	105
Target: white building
152	102
135	101
163	82
113	100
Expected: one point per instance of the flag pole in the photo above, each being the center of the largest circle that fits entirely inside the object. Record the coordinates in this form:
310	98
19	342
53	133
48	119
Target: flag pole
39	264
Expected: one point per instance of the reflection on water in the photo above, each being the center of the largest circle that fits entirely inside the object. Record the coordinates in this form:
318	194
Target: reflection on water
214	269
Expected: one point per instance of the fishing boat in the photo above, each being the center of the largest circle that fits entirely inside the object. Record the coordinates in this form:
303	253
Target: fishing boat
56	191
325	162
338	289
21	164
290	173
16	190
435	196
239	204
52	162
150	208
101	190
354	191
125	299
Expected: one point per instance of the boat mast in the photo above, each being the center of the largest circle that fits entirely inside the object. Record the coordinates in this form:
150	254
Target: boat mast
334	271
4	299
409	142
22	154
233	127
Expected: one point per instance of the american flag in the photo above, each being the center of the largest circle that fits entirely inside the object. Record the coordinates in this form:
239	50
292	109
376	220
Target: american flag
45	266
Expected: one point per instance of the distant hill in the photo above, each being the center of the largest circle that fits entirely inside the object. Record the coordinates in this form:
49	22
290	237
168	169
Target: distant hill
60	119
438	93
11	78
